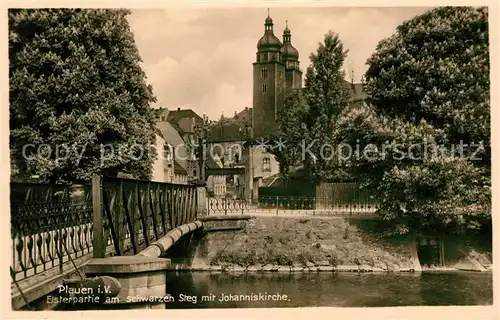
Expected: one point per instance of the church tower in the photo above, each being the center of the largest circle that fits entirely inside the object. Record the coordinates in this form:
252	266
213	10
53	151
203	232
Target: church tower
290	57
268	82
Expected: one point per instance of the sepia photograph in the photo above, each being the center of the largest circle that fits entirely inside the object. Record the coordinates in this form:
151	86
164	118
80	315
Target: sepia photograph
249	157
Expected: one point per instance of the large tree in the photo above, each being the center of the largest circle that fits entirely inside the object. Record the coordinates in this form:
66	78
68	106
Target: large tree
308	118
76	86
426	131
291	132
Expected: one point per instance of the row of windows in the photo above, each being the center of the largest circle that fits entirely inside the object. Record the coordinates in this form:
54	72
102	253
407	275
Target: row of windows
264	73
264	88
267	56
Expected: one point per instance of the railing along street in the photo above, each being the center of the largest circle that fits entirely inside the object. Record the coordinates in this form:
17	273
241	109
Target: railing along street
276	205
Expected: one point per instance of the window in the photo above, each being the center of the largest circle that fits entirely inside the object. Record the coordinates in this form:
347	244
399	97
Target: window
273	56
264	73
266	164
281	74
264	88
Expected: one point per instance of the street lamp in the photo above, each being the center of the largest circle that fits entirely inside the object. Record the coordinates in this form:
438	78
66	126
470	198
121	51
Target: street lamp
201	133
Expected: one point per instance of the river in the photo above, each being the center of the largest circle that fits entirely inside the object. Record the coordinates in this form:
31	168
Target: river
328	289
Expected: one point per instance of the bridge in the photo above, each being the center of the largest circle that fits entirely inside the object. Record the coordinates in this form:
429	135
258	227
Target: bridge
122	229
62	234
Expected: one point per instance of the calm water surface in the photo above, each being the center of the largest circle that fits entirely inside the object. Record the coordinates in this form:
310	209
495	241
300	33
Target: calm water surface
330	289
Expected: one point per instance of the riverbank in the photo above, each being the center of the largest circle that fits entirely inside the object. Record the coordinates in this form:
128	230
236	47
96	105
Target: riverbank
301	245
321	244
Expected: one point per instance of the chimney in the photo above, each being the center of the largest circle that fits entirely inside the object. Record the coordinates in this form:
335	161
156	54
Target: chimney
246	108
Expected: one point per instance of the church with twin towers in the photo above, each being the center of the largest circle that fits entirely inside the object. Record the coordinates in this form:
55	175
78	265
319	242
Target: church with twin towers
276	69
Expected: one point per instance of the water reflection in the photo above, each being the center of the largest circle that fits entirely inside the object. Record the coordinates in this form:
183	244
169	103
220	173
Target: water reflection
328	289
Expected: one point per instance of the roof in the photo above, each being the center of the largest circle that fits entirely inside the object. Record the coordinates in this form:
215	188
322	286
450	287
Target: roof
271	181
160	111
158	132
245	116
211	163
176	127
176	115
178	168
173	138
358	91
228	131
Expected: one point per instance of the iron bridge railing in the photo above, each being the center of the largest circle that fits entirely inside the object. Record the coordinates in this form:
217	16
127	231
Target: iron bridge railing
51	226
47	227
130	214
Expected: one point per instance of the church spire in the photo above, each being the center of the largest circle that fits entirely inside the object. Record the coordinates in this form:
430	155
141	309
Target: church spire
287	35
269	22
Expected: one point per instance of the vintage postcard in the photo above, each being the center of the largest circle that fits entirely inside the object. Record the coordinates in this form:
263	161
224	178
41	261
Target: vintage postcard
249	157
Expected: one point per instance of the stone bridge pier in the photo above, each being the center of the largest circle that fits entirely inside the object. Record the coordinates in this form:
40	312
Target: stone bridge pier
144	275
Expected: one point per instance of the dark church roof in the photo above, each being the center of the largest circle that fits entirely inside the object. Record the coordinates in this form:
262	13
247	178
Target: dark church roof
269	42
289	52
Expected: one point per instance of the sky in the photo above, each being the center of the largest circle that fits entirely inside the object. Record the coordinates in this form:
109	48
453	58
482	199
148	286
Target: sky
201	58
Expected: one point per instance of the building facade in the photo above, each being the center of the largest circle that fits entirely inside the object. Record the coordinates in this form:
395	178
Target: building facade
216	184
185	122
165	167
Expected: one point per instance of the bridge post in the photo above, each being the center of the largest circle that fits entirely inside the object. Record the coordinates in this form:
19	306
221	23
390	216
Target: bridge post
98	231
249	174
201	199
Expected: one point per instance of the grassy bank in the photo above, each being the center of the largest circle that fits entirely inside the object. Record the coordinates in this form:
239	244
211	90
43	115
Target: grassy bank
306	242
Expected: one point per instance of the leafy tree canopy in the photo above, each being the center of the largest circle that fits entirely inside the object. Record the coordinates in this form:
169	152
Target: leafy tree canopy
308	117
76	86
426	131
